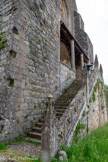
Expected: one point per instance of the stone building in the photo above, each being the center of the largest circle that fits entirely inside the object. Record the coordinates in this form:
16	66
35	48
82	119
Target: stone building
43	50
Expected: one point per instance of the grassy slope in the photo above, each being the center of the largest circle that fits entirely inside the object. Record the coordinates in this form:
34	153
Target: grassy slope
92	148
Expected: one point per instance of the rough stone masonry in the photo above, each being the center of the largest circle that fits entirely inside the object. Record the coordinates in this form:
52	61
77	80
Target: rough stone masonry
43	48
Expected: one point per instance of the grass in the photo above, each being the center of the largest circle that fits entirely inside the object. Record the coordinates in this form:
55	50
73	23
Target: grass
12	155
92	148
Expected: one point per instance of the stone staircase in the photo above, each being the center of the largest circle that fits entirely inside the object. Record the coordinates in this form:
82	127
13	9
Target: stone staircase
60	106
65	99
35	134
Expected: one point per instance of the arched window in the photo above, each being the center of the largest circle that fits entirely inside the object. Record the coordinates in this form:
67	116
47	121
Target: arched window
63	10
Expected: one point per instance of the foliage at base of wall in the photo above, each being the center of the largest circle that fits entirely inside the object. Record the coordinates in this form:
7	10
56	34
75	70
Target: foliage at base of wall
92	148
79	127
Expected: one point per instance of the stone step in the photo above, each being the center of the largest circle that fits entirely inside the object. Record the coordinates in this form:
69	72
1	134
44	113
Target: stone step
60	105
41	120
58	117
39	124
35	140
66	98
62	101
59	113
37	129
60	110
35	135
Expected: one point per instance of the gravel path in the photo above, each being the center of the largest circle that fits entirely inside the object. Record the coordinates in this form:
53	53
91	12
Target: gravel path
26	148
20	152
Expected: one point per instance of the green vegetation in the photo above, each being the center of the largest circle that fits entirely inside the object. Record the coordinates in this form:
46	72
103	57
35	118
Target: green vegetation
17	120
97	86
65	89
92	148
25	84
2	38
93	97
106	93
90	99
19	157
11	84
2	41
84	114
79	127
54	160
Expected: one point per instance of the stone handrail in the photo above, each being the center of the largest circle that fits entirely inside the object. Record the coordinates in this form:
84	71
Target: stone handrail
93	76
69	118
61	129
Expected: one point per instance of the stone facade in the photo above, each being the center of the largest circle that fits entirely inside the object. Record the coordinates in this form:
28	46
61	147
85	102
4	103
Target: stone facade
31	67
29	62
95	112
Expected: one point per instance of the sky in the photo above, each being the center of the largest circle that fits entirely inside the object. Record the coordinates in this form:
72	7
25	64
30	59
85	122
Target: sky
95	16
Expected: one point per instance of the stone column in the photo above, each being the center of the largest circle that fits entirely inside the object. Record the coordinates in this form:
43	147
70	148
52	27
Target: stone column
82	60
49	138
73	54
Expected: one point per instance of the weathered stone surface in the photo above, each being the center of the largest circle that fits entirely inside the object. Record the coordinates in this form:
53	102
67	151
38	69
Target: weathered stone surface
30	67
62	156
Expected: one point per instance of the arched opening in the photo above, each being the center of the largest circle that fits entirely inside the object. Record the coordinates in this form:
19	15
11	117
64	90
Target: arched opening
63	11
65	48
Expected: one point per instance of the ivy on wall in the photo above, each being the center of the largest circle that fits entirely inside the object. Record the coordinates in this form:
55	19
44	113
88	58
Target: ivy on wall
97	86
2	38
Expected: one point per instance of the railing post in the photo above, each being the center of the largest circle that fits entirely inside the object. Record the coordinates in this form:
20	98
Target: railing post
73	54
49	138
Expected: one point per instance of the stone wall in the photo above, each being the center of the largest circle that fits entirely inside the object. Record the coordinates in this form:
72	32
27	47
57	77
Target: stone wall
95	112
97	109
69	21
66	73
30	66
29	62
82	37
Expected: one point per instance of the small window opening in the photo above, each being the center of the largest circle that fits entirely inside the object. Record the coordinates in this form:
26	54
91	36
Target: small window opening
15	30
13	54
11	82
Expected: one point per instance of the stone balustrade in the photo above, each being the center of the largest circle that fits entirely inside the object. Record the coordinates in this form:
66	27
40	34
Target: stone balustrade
69	118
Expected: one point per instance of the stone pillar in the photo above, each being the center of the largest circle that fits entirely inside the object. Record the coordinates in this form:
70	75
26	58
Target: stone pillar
82	60
49	138
101	72
73	54
87	100
96	63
